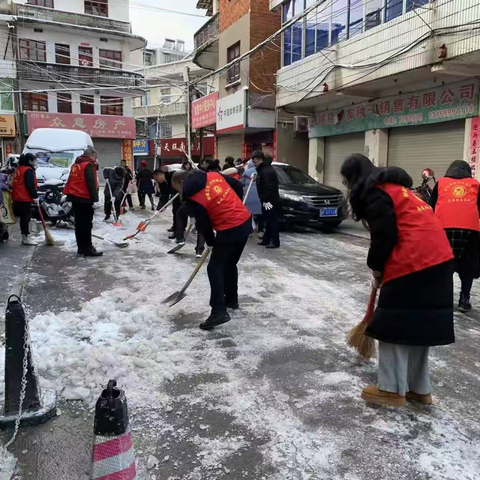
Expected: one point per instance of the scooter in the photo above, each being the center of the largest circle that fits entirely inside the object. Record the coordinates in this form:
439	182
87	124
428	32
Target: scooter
424	191
54	203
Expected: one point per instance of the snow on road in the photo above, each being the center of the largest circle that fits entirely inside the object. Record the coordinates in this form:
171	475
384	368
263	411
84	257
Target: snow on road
278	376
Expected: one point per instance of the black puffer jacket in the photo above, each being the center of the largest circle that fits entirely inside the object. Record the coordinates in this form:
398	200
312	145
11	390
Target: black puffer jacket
416	309
267	184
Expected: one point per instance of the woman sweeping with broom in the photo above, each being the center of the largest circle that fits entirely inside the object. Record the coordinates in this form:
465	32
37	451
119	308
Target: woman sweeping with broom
411	260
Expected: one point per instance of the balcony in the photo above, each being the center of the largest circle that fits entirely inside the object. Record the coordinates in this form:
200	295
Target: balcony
79	19
206	44
161	110
45	72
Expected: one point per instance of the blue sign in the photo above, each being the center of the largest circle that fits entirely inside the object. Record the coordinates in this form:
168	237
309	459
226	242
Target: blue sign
140	146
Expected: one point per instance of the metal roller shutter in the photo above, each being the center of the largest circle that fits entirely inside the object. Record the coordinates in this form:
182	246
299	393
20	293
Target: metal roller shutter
229	145
109	152
336	150
426	146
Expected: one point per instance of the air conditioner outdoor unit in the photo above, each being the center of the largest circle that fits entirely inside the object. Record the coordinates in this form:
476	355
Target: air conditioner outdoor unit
301	124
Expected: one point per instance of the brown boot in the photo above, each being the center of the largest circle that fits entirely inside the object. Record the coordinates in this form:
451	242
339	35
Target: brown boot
372	394
417	397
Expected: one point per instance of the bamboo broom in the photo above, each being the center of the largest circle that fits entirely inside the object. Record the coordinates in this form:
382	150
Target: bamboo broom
356	338
48	236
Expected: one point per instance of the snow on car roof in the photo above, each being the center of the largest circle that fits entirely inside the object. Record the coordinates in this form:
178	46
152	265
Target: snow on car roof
56	140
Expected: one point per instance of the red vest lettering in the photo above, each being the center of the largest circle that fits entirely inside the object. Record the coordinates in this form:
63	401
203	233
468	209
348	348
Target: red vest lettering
20	192
422	242
457	203
224	207
76	184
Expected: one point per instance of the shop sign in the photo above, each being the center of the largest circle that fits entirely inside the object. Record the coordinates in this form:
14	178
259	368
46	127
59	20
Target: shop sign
442	104
473	147
175	147
97	126
7	126
204	111
127	152
232	112
140	146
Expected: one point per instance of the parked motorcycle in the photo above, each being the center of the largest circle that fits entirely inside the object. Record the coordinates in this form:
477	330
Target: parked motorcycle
424	191
53	202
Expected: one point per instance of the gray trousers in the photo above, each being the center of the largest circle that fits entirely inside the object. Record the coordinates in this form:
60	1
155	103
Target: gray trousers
403	368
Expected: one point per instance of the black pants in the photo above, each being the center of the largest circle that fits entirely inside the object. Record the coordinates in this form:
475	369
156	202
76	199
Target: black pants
108	207
223	274
272	229
83	224
177	203
141	198
128	199
23	210
258	219
467	283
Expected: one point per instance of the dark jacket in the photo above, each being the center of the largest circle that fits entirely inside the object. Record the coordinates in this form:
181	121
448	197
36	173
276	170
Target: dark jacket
465	243
29	177
90	180
194	183
416	309
116	183
267	184
127	178
145	181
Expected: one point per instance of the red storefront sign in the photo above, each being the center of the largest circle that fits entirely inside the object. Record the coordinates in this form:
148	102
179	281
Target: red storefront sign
174	147
204	111
97	126
127	152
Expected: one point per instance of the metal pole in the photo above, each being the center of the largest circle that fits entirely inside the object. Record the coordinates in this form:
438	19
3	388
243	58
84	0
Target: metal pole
189	125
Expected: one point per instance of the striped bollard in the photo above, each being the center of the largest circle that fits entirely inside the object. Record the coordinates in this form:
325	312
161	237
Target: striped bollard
113	456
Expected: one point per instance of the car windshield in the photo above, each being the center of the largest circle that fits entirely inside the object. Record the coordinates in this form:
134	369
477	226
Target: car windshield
293	176
62	159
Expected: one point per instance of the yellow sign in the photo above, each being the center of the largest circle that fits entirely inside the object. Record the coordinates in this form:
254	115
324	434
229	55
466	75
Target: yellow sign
7	126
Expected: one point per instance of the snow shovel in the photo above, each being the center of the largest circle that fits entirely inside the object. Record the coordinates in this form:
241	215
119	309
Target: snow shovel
116	220
245	198
118	244
142	226
179	296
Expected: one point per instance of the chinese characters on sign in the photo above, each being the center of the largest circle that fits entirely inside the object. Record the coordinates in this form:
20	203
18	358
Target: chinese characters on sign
127	152
7	126
473	145
174	147
140	147
204	111
232	112
431	106
97	126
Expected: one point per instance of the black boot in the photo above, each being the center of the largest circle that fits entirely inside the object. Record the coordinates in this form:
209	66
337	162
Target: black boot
92	252
171	229
273	245
464	304
232	305
214	320
80	251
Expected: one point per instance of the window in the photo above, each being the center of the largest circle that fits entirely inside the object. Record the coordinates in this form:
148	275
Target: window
42	3
98	7
35	102
85	56
148	59
110	58
64	102
112	105
166	94
233	73
6	96
165	129
32	50
393	9
170	44
87	104
62	53
168	58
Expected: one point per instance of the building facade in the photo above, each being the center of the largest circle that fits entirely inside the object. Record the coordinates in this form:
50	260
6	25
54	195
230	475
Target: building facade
245	111
73	67
395	80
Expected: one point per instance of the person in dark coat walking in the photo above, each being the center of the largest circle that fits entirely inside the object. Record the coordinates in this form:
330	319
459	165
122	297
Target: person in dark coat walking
24	193
127	179
145	184
215	201
82	190
267	187
164	179
411	260
456	201
115	178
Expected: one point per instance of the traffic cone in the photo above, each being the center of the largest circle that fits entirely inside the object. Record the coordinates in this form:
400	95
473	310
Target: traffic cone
113	457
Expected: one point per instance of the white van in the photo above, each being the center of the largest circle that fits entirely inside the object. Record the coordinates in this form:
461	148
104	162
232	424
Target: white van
56	150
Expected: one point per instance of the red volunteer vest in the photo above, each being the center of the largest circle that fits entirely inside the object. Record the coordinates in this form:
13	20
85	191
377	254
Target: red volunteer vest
20	192
224	207
76	184
422	242
457	203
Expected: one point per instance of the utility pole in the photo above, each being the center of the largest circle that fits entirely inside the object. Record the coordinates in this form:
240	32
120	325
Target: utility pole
186	78
20	139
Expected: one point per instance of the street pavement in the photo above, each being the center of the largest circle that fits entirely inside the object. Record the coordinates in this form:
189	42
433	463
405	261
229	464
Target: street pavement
274	394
